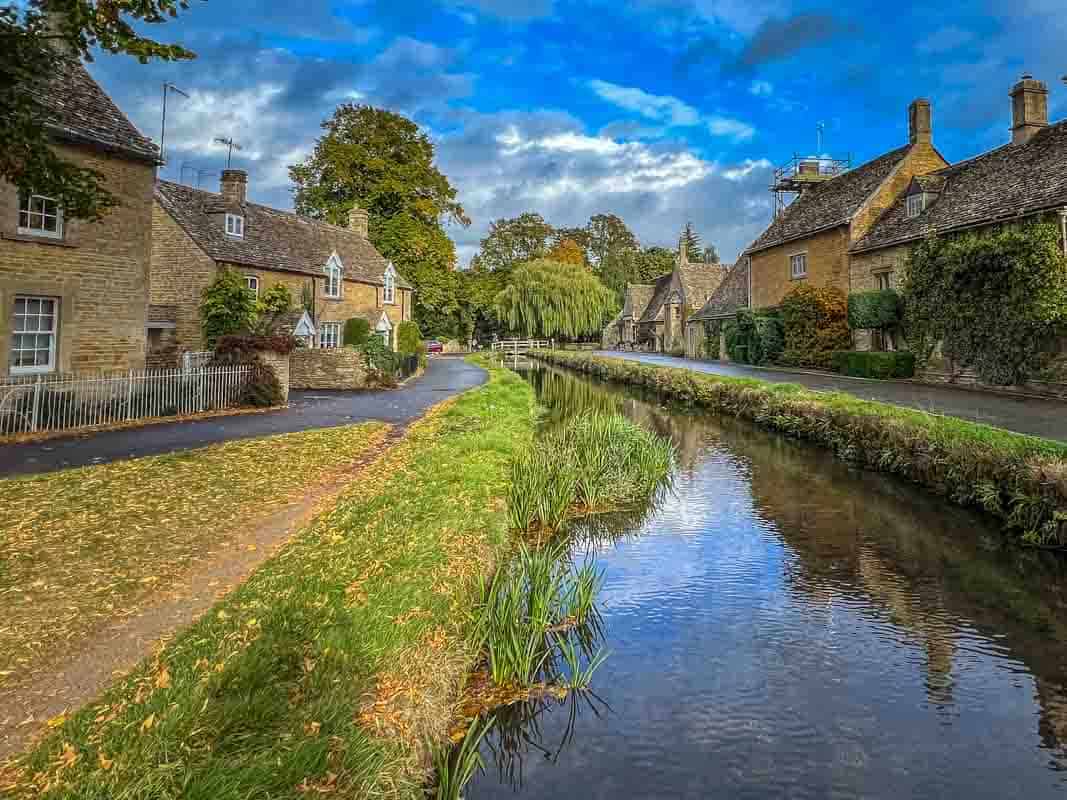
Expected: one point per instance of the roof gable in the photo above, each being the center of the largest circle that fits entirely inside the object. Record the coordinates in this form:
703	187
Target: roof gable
1005	183
636	299
662	291
731	294
830	203
273	239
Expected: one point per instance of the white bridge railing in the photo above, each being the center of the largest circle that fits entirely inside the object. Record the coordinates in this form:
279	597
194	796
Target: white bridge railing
520	345
40	403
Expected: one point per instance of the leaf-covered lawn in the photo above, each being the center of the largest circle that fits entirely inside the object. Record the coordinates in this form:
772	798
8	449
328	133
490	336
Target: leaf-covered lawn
329	670
85	546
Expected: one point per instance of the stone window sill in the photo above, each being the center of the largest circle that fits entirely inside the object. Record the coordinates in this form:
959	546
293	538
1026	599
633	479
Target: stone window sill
20	237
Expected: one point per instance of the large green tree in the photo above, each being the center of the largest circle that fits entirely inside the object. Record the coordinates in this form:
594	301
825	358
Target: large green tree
691	240
382	162
653	262
548	299
608	236
36	39
514	241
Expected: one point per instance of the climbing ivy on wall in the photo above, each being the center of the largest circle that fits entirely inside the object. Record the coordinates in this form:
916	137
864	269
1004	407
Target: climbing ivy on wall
994	300
815	324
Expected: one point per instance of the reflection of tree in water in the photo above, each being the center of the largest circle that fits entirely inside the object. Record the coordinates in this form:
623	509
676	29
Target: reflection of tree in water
928	565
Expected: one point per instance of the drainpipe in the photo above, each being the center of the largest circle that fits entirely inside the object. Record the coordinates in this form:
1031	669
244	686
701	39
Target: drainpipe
1063	228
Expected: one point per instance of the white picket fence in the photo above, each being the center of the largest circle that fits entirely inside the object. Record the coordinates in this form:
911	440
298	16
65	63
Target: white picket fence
39	403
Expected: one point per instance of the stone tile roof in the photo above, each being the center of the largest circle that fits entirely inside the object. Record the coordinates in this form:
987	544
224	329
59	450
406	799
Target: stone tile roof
731	295
79	111
278	240
636	300
1005	183
662	290
699	281
828	204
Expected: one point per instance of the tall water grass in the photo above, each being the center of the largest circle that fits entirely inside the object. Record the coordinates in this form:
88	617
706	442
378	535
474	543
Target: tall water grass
456	765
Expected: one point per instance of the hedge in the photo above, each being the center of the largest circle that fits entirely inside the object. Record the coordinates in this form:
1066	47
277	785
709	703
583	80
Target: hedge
357	331
408	338
881	308
900	364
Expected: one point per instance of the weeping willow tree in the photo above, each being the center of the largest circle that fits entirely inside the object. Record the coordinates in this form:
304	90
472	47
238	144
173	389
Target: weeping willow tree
548	299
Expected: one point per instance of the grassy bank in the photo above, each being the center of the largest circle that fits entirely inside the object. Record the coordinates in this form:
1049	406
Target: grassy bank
339	660
82	547
1021	479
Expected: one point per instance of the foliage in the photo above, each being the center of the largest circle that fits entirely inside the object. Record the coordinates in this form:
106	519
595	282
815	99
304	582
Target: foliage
652	263
284	683
275	300
690	239
227	307
34	46
263	389
878	309
408	339
240	348
378	356
815	324
992	299
455	766
711	255
547	299
511	242
356	332
607	237
568	252
1021	479
754	337
871	364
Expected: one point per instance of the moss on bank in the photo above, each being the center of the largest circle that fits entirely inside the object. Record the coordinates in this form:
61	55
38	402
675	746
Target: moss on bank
1021	479
338	661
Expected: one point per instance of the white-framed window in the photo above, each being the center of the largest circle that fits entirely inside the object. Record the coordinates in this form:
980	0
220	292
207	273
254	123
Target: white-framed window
798	265
252	284
329	334
389	290
33	338
916	204
334	278
235	225
40	216
885	280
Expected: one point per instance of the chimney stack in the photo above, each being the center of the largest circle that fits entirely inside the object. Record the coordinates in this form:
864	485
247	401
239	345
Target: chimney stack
920	124
234	185
1029	109
359	221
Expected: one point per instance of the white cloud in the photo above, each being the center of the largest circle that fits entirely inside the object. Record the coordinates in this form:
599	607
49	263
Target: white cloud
658	107
761	88
745	168
730	128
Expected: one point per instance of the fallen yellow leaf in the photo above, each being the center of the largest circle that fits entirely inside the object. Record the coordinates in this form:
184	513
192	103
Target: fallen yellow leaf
150	720
163	679
105	762
57	720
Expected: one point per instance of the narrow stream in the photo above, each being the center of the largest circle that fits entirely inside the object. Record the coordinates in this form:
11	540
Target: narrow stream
784	625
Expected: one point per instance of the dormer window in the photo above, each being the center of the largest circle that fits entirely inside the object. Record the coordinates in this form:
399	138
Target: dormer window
916	204
389	290
40	216
334	278
235	225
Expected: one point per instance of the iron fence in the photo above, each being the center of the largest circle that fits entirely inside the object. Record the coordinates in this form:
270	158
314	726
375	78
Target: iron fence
406	367
41	403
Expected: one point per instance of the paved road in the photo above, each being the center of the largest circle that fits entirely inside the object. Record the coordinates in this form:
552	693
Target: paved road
1035	416
443	378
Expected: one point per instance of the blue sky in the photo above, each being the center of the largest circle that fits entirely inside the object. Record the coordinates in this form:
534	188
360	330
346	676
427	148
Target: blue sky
657	110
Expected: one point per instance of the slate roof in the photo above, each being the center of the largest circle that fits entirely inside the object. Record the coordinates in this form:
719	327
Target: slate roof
829	204
278	240
636	300
699	281
662	290
731	295
79	111
1008	182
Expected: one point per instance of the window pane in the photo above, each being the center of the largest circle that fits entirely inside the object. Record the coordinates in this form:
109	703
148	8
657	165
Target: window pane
33	306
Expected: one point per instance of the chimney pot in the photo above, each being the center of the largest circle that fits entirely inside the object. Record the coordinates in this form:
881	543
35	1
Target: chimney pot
234	185
359	221
920	122
1029	109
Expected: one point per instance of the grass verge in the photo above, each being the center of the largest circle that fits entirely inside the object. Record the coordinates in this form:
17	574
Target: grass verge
1021	479
339	660
84	546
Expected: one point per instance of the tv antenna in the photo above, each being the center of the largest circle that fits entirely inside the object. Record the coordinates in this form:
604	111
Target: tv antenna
167	89
820	128
231	145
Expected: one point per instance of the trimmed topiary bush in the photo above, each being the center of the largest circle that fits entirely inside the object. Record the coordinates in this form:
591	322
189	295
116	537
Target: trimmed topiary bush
815	324
356	333
408	338
870	364
878	309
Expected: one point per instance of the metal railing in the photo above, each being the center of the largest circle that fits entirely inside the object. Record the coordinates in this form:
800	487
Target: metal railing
43	403
520	345
196	359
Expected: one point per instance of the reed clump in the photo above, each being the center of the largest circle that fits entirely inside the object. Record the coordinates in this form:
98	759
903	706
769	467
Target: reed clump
1018	478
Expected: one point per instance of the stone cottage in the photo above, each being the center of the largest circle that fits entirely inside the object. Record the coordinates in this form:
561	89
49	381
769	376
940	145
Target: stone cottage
809	241
74	294
723	305
621	332
676	295
334	272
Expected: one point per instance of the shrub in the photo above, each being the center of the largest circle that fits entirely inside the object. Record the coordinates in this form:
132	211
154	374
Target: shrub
877	309
754	337
275	300
227	307
378	356
356	333
263	388
814	325
408	338
900	364
245	347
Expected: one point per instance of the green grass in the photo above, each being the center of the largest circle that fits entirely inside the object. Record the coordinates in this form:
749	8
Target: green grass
1022	479
335	666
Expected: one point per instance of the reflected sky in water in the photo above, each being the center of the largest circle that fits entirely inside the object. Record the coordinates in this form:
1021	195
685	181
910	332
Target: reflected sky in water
784	625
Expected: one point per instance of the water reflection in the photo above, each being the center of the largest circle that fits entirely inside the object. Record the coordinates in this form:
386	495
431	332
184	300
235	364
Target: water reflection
786	625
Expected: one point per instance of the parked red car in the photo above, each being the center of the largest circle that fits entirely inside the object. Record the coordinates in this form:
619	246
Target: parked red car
434	346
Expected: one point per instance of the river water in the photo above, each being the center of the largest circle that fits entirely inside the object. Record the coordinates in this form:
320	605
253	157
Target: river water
784	625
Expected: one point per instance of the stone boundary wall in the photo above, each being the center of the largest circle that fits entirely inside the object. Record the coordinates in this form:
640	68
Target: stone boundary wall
968	380
279	362
336	368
